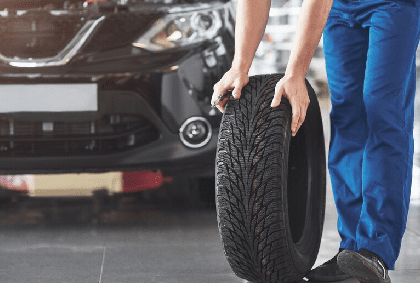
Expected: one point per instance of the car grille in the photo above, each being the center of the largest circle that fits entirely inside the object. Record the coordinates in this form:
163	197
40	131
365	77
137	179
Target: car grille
37	37
110	134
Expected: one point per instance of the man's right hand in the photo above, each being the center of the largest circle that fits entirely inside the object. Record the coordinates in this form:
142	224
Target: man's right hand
294	88
234	79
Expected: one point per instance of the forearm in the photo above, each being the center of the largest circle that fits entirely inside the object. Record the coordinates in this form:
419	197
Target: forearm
251	19
311	23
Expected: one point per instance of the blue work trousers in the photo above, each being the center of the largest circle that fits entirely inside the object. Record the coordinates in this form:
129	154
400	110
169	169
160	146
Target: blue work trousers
370	51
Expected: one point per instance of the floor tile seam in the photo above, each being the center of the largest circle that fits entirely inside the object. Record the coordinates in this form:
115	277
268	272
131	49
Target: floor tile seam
102	264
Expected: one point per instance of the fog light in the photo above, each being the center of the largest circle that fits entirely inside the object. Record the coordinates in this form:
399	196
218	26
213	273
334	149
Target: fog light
195	132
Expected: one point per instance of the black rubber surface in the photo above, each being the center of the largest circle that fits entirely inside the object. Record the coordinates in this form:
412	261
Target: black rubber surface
270	188
361	268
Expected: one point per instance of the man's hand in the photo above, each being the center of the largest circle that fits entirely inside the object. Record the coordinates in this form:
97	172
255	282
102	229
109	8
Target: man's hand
295	90
232	79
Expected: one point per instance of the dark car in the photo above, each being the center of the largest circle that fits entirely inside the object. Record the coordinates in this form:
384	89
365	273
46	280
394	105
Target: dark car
111	85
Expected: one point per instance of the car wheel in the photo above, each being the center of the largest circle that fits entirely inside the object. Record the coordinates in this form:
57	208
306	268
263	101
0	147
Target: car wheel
270	187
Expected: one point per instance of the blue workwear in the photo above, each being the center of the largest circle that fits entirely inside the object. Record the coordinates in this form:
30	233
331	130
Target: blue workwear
370	50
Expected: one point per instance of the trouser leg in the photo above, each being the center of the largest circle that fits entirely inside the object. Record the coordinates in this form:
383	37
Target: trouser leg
345	48
389	92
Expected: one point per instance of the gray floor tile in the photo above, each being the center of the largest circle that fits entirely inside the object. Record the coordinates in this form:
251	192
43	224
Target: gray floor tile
167	254
50	264
405	276
409	258
413	223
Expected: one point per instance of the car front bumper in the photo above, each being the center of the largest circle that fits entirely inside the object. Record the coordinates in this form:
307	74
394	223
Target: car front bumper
166	154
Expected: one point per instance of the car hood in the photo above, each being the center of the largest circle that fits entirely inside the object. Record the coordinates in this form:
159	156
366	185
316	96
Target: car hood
52	33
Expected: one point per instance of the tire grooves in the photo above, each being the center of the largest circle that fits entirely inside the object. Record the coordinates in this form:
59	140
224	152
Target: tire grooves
248	199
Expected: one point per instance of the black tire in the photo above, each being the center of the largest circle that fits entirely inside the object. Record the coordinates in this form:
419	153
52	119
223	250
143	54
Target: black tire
270	187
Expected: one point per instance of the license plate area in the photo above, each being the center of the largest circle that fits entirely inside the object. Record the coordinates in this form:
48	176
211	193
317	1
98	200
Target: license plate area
48	98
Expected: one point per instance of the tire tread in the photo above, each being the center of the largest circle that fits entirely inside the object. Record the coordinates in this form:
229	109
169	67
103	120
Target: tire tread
248	198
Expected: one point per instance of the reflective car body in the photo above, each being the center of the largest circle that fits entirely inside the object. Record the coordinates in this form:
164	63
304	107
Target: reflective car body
111	85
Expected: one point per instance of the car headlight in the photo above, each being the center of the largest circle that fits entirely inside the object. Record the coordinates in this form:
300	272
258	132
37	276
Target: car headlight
182	29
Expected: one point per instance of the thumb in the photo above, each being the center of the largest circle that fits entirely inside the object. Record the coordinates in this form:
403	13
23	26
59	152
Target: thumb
236	93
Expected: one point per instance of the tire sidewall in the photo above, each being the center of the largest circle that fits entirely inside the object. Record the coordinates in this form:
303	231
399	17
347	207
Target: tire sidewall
304	252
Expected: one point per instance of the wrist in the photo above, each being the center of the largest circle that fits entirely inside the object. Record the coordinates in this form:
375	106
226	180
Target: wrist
295	73
241	66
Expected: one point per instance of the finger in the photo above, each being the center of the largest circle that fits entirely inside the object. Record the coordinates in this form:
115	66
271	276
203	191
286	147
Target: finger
302	118
295	119
216	99
278	93
300	122
237	91
213	98
215	94
222	104
217	90
221	109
